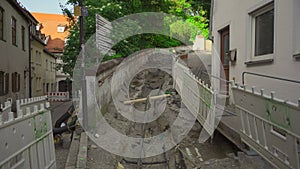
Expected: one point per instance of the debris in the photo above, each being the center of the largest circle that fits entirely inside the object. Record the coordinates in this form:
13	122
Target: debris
120	166
94	146
188	152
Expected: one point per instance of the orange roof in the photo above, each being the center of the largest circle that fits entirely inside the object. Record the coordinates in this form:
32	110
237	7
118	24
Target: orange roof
49	23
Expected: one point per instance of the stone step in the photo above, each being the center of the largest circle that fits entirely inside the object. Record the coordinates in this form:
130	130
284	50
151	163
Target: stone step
77	156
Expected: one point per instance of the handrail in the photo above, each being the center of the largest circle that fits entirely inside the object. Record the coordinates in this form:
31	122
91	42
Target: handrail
226	81
267	76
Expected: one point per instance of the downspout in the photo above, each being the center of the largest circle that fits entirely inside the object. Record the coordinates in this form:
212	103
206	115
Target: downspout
211	21
29	51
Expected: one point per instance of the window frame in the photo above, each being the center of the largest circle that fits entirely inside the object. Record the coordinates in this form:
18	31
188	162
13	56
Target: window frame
259	11
14	31
2	85
2	23
23	37
16	82
6	82
296	33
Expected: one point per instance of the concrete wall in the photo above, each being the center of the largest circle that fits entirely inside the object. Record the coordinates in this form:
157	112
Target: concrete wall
235	14
13	58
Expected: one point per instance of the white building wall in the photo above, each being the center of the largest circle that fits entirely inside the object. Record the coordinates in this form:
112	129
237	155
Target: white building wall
37	69
297	28
235	13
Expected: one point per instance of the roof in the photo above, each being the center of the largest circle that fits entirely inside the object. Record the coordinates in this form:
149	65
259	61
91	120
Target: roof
49	53
22	10
50	22
38	39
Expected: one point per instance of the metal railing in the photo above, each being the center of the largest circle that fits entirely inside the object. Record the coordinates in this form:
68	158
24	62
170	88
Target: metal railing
198	97
268	76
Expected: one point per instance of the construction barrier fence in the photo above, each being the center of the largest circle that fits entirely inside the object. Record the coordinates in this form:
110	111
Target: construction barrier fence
270	126
26	136
58	96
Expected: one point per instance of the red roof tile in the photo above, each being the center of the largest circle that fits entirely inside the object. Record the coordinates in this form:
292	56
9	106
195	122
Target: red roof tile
49	23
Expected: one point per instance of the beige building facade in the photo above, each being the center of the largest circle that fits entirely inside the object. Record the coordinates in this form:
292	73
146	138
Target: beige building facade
14	51
56	27
49	77
43	65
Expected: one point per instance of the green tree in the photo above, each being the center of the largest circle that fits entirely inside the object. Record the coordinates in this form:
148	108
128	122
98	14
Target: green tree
193	12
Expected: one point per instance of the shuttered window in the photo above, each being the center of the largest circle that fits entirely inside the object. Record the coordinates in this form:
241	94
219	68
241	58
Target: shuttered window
15	80
1	23
2	83
23	38
19	80
14	31
6	83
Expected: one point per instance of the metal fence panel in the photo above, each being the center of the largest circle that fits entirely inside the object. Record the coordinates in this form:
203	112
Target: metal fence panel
196	95
270	126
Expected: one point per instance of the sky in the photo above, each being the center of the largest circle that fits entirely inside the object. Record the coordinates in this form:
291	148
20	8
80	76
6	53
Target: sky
45	6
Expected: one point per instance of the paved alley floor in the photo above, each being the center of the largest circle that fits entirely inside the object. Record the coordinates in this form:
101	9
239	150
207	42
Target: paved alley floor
61	149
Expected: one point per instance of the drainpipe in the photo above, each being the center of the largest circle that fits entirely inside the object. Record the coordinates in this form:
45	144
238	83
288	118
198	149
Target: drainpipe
29	51
211	21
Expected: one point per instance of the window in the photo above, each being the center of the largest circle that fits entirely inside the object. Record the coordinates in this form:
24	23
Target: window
1	23
33	29
14	31
54	66
38	83
37	56
61	28
16	77
4	83
44	88
23	38
46	64
52	87
296	29
263	32
47	87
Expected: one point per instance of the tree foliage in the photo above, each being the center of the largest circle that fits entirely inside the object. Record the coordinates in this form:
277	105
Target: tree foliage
194	13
